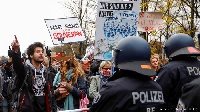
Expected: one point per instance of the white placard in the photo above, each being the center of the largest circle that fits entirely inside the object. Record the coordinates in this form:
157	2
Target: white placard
150	21
115	20
67	29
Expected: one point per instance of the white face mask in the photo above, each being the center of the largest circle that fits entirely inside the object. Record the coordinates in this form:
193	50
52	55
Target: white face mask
106	73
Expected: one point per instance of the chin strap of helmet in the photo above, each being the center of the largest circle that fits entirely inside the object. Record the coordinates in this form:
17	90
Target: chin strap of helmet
116	54
115	62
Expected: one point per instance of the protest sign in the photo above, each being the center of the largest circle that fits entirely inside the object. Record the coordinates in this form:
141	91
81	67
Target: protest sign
150	21
115	20
65	30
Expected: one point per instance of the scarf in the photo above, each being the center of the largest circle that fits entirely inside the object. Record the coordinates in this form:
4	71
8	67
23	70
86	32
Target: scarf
68	104
103	80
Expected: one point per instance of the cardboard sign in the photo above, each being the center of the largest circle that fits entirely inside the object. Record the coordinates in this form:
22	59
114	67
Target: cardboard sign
150	21
64	30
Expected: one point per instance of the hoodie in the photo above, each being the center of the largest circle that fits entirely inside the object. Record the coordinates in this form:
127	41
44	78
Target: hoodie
38	86
38	97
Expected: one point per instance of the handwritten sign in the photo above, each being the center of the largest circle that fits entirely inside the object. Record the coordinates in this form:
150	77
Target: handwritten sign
65	30
150	21
53	54
115	20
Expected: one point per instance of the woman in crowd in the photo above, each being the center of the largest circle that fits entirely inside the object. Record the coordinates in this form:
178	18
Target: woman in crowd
155	64
100	80
70	85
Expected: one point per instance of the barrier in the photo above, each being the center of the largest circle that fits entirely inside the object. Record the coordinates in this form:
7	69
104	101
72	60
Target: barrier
76	110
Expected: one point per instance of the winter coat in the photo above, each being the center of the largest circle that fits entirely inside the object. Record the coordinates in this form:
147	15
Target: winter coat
94	86
76	92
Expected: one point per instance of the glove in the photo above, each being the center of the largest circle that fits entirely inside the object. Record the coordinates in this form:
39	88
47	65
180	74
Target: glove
48	52
10	52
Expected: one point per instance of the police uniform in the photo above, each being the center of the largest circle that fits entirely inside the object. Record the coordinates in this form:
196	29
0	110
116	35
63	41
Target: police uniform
192	90
132	90
182	68
130	93
173	76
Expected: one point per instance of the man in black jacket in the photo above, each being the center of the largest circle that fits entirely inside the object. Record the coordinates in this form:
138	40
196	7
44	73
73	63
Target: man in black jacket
182	68
131	88
36	94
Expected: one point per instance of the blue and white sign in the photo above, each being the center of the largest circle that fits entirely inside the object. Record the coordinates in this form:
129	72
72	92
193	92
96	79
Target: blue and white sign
115	20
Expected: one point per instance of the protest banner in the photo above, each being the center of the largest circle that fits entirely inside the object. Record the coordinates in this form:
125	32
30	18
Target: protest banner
115	20
150	21
64	30
53	54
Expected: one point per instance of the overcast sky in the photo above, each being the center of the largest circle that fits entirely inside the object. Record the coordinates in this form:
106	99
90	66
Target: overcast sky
25	18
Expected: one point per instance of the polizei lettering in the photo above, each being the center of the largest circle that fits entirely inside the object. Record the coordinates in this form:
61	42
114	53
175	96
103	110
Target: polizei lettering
148	96
193	70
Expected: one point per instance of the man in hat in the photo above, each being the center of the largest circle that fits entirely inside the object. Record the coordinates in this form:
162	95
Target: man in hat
182	68
132	90
6	73
86	64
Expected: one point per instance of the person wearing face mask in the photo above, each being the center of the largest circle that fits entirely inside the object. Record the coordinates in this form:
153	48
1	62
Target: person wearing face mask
130	88
98	81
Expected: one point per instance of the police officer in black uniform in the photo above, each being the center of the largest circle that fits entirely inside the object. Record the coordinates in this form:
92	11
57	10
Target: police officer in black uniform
131	88
190	98
183	67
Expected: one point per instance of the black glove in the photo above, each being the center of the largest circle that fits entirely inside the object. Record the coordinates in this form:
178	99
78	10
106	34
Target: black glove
48	52
10	52
24	55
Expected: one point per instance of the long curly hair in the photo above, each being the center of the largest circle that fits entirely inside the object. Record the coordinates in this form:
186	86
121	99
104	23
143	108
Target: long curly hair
74	64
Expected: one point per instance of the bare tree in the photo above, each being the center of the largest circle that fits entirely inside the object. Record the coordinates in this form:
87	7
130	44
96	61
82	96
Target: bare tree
179	16
85	11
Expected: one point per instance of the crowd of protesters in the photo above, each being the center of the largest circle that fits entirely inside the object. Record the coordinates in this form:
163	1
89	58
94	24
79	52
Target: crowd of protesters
133	81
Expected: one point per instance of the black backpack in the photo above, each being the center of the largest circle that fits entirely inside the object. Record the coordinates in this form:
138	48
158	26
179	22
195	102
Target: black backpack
15	88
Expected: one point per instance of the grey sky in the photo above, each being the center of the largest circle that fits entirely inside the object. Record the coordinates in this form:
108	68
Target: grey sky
25	18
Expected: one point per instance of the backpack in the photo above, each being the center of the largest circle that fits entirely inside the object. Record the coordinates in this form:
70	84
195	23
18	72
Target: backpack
15	90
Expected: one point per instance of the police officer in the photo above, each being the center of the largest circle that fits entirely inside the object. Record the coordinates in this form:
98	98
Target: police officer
131	89
190	98
183	67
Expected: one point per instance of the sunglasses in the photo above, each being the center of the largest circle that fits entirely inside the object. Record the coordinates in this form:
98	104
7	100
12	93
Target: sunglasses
106	68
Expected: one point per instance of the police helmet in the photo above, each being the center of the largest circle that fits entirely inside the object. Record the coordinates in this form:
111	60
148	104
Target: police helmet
133	53
180	44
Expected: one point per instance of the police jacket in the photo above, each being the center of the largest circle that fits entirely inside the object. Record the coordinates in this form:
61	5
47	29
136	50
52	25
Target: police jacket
131	92
173	76
190	95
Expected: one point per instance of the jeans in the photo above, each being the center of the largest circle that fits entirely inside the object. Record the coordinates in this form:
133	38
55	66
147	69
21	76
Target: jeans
5	106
